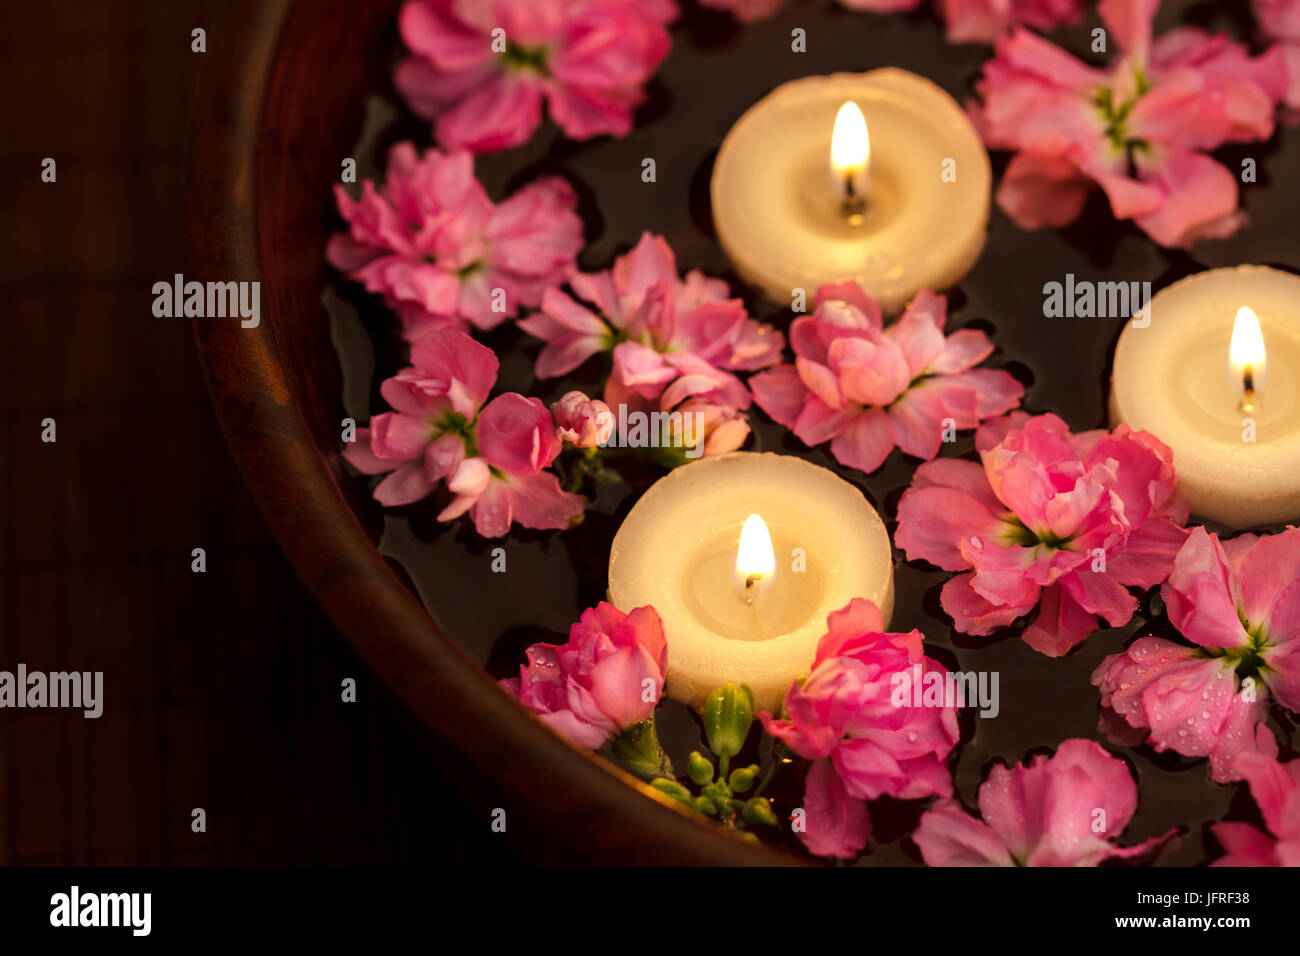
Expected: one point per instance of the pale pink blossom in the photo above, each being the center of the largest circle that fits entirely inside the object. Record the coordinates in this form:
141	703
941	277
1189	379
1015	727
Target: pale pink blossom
608	677
707	430
867	389
1276	789
481	69
1063	810
1239	602
581	421
643	300
1279	20
746	11
983	21
1140	130
491	456
847	718
441	253
670	339
1050	519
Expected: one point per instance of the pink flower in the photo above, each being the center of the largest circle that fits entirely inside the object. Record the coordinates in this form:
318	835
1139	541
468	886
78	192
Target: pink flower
1073	520
983	21
1280	20
1190	703
490	456
1139	130
707	430
1276	789
480	69
746	11
608	677
867	389
670	339
642	300
441	253
581	421
1063	810
864	737
1239	602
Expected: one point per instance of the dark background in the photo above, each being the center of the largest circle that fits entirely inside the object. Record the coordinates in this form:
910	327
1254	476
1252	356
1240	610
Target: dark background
222	689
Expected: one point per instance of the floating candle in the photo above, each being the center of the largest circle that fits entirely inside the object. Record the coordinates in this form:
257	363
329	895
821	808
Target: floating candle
1212	369
744	556
908	202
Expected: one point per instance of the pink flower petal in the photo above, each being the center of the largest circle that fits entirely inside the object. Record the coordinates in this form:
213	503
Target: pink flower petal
403	486
1061	624
934	520
1040	190
780	392
865	441
972	613
1269	589
1101	594
1199	596
961	350
1200	200
921	416
836	825
516	434
948	836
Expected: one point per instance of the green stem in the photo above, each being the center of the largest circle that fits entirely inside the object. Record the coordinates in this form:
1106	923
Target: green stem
637	749
778	749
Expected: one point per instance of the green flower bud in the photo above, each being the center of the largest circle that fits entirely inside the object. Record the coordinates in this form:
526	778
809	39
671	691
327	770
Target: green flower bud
759	810
728	712
705	806
742	778
699	768
672	788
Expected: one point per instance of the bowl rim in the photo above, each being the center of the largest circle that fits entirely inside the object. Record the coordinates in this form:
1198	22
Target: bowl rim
288	475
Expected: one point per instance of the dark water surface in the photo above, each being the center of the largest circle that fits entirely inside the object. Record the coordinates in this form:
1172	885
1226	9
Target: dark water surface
715	72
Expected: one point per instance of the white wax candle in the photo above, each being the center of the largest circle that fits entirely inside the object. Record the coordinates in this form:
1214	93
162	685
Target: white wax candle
927	185
677	550
1237	463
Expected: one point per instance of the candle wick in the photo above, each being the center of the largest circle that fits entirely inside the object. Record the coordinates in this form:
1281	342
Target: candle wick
1247	403
852	204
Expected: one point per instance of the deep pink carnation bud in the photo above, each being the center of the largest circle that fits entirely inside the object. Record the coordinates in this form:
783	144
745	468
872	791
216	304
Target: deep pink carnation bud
582	421
865	738
608	677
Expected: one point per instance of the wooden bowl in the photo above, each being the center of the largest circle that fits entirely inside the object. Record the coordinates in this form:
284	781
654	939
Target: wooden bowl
278	107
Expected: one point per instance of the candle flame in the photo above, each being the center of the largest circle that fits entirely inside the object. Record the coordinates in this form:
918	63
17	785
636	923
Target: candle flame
1246	354
850	144
850	167
755	560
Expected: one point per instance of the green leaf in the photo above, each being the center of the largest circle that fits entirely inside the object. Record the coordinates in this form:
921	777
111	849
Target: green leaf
673	789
